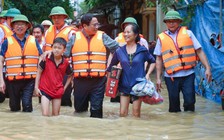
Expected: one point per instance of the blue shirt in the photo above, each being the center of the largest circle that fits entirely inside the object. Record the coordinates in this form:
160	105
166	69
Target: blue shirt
4	47
157	51
131	70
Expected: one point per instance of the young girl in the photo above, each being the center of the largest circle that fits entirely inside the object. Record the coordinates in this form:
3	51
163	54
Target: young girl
132	57
49	80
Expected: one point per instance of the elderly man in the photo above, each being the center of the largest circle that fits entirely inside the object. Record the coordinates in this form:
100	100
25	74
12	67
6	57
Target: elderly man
177	50
20	53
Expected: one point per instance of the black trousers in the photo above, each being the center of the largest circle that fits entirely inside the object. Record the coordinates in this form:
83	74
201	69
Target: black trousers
21	90
89	90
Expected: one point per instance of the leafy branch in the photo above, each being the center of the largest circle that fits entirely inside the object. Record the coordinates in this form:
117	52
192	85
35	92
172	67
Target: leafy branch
189	7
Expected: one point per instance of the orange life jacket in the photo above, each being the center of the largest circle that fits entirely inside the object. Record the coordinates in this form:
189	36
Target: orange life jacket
89	58
121	41
51	35
178	57
21	64
7	31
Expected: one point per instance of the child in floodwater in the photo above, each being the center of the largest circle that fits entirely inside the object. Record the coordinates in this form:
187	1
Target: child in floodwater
49	80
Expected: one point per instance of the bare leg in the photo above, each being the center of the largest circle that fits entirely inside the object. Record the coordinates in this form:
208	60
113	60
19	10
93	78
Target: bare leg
124	104
56	104
45	105
136	108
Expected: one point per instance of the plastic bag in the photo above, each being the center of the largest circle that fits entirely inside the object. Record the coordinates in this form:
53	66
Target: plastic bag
155	99
143	88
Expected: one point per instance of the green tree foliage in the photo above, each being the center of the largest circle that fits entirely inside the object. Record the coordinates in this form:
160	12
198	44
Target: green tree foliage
92	3
150	3
83	8
181	5
164	4
38	10
96	3
102	4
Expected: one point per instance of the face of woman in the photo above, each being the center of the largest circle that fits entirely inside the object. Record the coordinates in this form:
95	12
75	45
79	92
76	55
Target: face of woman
129	35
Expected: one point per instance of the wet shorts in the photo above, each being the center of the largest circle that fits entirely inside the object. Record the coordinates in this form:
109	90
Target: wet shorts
133	98
46	95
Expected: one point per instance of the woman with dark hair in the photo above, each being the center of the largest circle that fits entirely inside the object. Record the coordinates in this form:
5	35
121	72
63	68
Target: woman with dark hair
131	57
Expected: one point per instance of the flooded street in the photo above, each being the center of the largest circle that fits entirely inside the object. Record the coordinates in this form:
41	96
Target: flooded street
155	123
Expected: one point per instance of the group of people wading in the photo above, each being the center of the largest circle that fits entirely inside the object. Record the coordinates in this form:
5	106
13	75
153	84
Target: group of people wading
67	57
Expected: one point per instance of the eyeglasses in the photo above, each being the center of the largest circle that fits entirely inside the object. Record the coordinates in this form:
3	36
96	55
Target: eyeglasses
95	25
20	24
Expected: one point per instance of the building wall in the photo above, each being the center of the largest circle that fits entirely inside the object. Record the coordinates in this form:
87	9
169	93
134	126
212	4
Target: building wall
150	19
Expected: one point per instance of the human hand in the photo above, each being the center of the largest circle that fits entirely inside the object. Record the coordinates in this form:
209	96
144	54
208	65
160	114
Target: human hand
158	85
45	55
37	92
2	87
208	75
147	77
152	44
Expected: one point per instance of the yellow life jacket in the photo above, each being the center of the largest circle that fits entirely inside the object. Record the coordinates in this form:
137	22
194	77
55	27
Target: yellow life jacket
121	41
177	57
51	35
7	31
89	58
21	64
